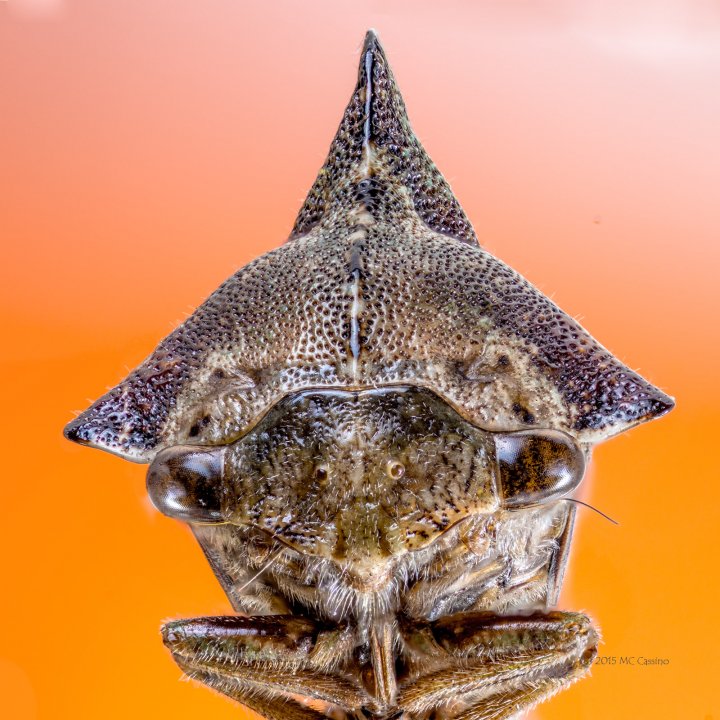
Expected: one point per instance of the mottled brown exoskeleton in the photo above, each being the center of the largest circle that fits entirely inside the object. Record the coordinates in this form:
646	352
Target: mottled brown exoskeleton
372	431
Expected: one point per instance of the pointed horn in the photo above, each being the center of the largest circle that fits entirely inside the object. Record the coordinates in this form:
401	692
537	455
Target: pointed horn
375	140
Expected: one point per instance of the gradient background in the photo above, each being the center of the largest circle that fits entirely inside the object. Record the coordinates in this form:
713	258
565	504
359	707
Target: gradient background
149	148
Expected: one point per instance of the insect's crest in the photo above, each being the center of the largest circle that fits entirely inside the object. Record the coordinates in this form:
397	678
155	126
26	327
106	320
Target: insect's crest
375	133
383	283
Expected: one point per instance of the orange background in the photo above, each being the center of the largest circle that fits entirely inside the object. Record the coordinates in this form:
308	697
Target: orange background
148	148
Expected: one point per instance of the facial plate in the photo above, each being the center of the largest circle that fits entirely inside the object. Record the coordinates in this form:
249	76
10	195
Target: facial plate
360	477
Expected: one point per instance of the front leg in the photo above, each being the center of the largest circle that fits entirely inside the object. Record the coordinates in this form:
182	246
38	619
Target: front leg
284	667
476	666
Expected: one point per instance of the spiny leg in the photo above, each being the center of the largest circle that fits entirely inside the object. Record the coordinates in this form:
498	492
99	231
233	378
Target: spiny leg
281	666
272	708
475	666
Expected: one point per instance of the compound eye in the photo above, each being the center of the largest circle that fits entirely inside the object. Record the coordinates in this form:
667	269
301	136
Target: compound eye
185	483
537	466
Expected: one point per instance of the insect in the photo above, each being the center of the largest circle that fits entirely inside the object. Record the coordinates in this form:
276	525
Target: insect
372	432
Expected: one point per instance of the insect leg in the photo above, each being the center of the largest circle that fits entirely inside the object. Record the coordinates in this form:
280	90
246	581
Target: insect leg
272	708
476	666
285	667
559	560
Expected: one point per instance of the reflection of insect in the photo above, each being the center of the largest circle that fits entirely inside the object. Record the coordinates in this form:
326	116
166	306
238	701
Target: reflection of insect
371	431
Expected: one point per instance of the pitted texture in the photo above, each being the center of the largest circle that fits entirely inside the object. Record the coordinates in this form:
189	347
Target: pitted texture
379	286
360	476
376	122
519	359
277	323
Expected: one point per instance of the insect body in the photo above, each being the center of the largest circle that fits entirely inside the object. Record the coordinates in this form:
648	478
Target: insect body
371	431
